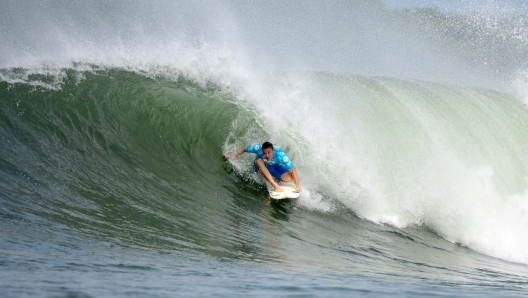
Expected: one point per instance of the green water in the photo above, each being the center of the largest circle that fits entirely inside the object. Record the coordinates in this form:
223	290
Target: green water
114	184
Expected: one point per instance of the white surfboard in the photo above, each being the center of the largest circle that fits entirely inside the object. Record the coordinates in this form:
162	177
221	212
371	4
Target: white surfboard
289	191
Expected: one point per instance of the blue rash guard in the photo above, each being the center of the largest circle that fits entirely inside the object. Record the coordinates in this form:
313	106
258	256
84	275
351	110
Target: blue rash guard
279	164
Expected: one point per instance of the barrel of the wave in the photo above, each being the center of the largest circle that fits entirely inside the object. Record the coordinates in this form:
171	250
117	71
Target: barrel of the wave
276	168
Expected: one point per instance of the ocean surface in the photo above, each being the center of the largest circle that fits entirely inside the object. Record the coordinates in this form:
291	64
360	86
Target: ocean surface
409	130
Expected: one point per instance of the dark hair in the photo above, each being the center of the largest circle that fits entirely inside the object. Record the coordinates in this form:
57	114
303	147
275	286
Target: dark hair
267	145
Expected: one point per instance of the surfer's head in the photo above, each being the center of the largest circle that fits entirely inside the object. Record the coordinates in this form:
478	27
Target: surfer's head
267	149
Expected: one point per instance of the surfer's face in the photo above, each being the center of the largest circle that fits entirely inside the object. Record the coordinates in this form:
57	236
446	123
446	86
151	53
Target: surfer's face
268	153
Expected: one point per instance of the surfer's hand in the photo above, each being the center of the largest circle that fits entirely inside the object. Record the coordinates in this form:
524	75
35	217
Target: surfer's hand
298	189
237	153
278	189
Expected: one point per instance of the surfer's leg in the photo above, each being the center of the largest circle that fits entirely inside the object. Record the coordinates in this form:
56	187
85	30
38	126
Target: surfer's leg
266	174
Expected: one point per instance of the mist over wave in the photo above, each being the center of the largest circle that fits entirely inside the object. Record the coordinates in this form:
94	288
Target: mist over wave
485	47
372	103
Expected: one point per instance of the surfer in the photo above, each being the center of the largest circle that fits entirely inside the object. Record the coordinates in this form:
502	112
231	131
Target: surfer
272	163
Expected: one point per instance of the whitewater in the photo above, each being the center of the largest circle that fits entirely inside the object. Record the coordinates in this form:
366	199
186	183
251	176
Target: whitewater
408	128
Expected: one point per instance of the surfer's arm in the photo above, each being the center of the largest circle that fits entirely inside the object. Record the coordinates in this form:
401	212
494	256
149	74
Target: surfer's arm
241	150
293	172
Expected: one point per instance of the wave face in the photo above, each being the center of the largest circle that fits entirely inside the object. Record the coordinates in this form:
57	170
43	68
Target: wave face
409	134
